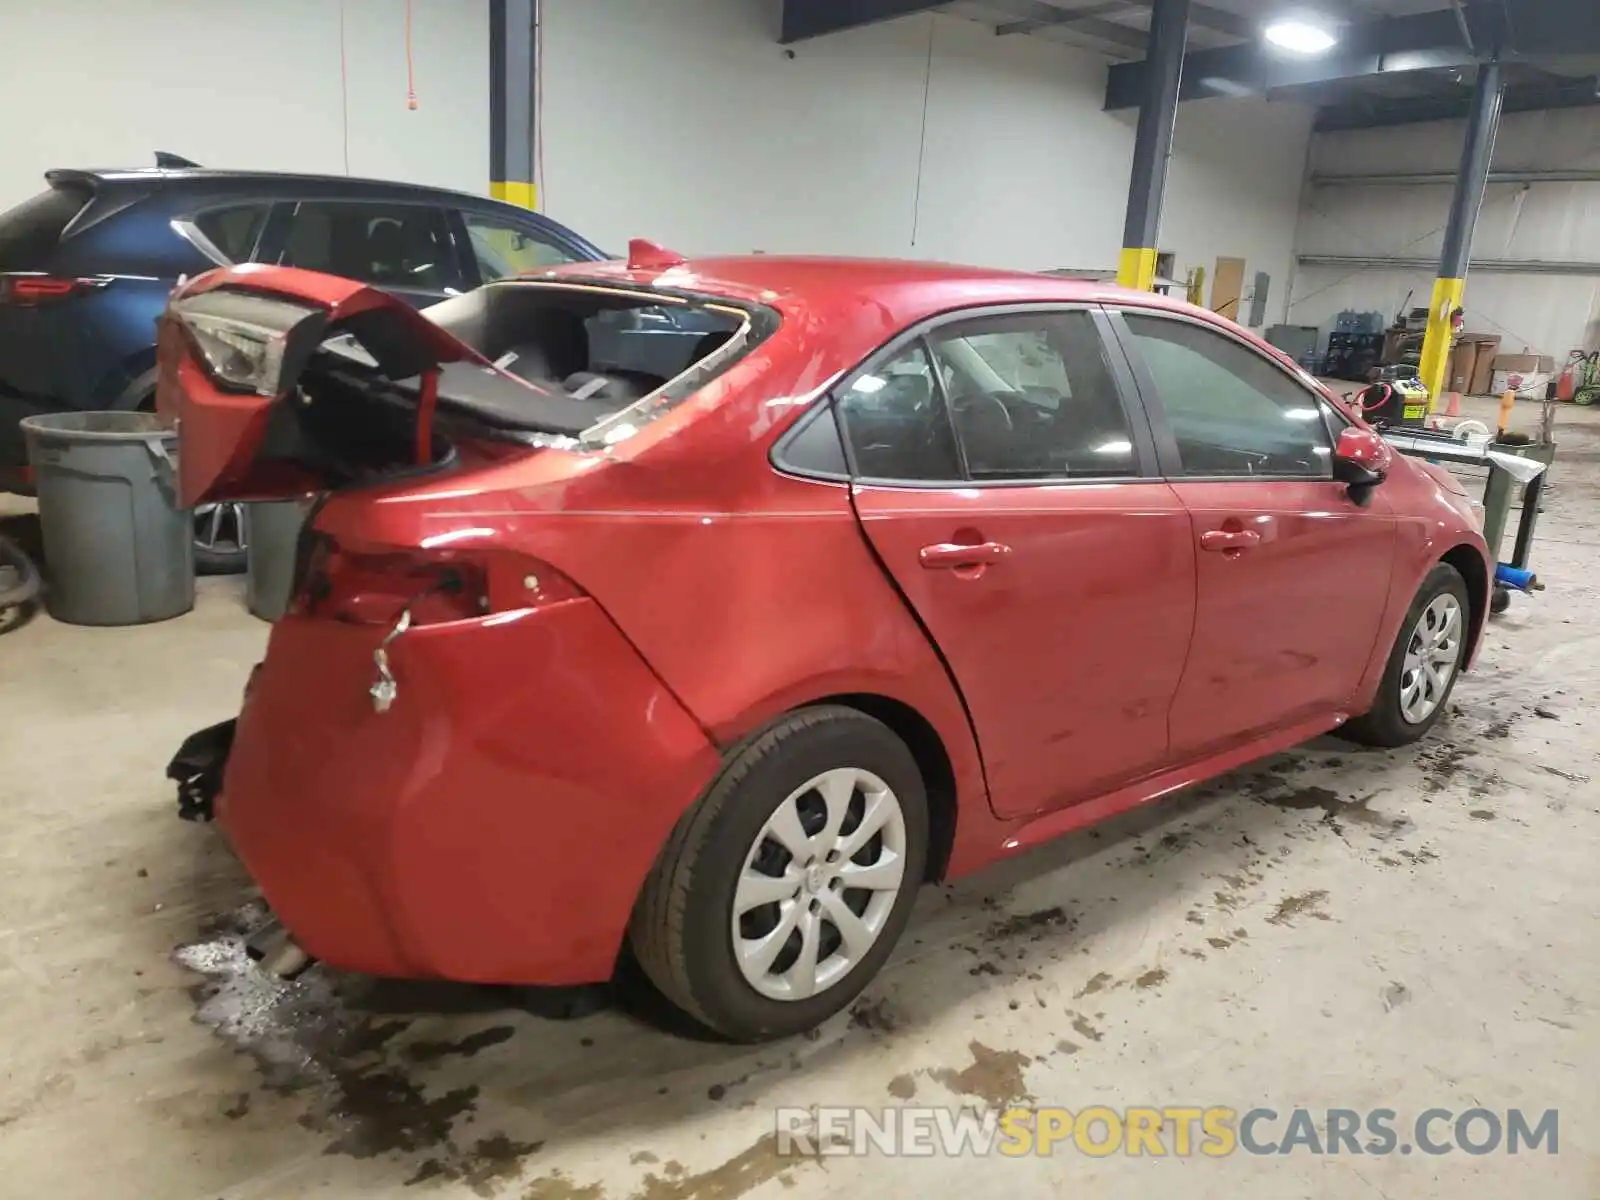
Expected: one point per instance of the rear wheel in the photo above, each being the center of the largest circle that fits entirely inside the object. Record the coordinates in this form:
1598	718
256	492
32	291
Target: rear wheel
1423	665
783	891
219	539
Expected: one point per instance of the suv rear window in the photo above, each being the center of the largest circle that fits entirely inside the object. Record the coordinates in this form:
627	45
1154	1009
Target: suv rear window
233	231
30	232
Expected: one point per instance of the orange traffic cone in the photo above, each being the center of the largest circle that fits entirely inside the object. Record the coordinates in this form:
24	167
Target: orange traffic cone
1452	406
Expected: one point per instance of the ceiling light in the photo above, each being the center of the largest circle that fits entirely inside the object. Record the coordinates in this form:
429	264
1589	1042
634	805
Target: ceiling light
1300	37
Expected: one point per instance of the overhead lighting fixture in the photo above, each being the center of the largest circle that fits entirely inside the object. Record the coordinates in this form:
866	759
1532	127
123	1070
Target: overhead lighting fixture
1300	37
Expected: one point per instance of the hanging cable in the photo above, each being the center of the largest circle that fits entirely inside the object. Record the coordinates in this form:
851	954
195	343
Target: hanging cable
411	77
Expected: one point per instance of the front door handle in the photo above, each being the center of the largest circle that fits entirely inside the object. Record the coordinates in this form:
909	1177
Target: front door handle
951	555
1229	539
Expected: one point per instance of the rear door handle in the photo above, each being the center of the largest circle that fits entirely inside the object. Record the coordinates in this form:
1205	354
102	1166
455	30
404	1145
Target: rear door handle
949	555
1227	539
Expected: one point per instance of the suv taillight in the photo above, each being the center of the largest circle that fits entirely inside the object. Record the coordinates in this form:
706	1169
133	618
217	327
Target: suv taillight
30	290
437	585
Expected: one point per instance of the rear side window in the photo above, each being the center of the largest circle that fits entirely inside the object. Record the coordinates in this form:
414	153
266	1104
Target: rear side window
896	422
1032	397
234	231
402	246
30	232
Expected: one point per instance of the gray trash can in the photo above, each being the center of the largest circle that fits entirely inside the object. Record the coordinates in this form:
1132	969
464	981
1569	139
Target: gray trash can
272	533
118	550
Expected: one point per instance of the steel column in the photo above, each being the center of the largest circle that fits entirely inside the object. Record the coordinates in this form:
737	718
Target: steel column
513	28
1473	177
1152	145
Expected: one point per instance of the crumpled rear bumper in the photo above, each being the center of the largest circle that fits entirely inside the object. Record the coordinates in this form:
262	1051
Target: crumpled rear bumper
494	826
197	769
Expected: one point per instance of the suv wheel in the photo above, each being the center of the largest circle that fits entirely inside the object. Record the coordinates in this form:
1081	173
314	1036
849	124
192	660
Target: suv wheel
219	539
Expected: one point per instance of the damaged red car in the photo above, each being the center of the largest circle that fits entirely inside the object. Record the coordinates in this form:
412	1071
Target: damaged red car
714	648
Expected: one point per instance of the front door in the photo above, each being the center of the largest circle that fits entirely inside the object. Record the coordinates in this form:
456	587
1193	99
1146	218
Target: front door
1004	485
1293	574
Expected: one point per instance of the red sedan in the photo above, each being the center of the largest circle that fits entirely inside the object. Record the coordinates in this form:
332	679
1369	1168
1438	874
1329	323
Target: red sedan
716	645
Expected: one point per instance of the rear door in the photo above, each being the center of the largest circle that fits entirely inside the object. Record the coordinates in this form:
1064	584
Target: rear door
1293	574
1008	487
401	248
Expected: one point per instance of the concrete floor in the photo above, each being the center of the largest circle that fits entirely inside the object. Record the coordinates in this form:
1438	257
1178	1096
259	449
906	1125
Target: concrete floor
1330	928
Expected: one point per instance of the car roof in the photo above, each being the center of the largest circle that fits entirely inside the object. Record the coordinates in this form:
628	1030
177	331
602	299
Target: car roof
903	291
220	179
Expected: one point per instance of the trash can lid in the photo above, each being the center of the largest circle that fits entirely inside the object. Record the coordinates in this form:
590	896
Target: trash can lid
99	426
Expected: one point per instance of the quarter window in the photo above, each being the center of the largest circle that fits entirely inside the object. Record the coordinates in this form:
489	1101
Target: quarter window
390	245
234	231
503	249
1232	411
1032	397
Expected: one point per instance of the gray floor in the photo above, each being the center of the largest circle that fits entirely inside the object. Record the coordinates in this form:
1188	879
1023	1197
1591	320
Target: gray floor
1330	928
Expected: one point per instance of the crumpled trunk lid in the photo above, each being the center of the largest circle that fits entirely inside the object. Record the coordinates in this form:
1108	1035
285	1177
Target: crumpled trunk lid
232	348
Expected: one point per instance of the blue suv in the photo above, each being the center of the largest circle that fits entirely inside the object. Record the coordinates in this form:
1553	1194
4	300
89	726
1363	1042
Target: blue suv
86	267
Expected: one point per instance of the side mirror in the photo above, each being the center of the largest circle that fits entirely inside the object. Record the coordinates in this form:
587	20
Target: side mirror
1361	459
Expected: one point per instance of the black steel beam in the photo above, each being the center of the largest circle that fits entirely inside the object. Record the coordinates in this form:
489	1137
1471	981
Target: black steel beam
1152	144
513	27
1216	19
1512	29
1578	93
1472	177
804	19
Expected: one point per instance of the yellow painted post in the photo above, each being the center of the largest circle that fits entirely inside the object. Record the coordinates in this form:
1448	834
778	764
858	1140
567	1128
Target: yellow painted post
1447	296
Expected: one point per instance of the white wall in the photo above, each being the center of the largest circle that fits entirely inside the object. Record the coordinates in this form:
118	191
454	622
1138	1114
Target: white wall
684	121
244	83
1547	314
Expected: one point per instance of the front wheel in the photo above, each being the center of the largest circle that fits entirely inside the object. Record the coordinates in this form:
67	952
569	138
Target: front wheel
783	891
1422	667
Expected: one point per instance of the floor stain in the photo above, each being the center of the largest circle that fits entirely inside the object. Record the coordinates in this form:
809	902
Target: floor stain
902	1087
1097	983
239	1107
874	1016
1065	1047
1395	995
642	1156
742	1173
1081	1024
1219	943
309	1039
995	1075
487	1165
1034	925
1336	809
1306	904
1152	978
431	1052
1481	814
559	1186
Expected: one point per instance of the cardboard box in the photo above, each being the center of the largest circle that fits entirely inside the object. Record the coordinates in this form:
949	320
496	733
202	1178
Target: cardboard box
1524	363
1487	347
1530	384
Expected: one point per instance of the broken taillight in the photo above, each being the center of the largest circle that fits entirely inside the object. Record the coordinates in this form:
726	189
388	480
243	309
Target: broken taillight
435	585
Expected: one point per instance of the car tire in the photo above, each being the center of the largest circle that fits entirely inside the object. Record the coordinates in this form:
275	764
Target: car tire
219	557
1398	718
812	781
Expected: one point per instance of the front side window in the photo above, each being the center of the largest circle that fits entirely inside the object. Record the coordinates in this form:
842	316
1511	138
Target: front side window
503	249
1232	411
896	423
1032	397
399	246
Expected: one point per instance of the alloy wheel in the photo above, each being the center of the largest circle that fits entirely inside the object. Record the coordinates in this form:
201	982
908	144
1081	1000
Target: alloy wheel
219	528
1432	655
819	884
